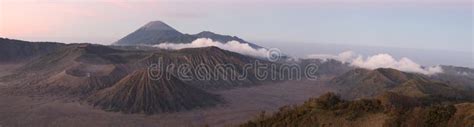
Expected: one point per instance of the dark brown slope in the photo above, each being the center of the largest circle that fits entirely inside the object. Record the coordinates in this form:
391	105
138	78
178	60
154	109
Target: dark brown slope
211	58
138	92
18	51
81	69
74	70
73	54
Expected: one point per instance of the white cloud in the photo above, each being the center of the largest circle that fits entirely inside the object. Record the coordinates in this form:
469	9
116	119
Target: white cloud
234	46
463	73
346	56
387	61
381	61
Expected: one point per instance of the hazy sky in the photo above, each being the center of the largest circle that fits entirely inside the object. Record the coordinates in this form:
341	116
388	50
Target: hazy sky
425	24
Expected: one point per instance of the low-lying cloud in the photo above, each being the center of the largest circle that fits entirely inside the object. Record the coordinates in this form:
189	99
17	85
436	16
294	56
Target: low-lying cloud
382	60
344	57
234	46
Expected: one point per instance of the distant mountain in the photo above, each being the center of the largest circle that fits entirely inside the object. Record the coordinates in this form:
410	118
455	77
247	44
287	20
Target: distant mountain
17	50
457	70
138	93
157	32
461	77
328	68
362	83
223	38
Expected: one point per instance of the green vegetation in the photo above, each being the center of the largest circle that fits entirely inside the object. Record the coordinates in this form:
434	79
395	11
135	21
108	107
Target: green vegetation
391	110
438	116
307	115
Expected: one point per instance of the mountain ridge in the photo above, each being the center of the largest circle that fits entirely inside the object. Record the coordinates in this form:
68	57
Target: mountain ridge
363	83
157	25
157	32
12	50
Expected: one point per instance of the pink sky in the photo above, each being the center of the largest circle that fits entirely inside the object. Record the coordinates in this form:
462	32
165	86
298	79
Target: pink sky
56	19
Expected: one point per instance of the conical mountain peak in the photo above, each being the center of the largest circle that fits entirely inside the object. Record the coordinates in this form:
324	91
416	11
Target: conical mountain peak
157	32
157	25
138	92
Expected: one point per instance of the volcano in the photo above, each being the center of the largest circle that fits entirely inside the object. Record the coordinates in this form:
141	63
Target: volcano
140	93
157	32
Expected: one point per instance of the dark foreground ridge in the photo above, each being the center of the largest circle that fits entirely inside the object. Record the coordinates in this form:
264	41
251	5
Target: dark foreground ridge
388	110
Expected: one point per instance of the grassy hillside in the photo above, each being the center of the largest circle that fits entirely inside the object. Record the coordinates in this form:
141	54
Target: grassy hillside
389	110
